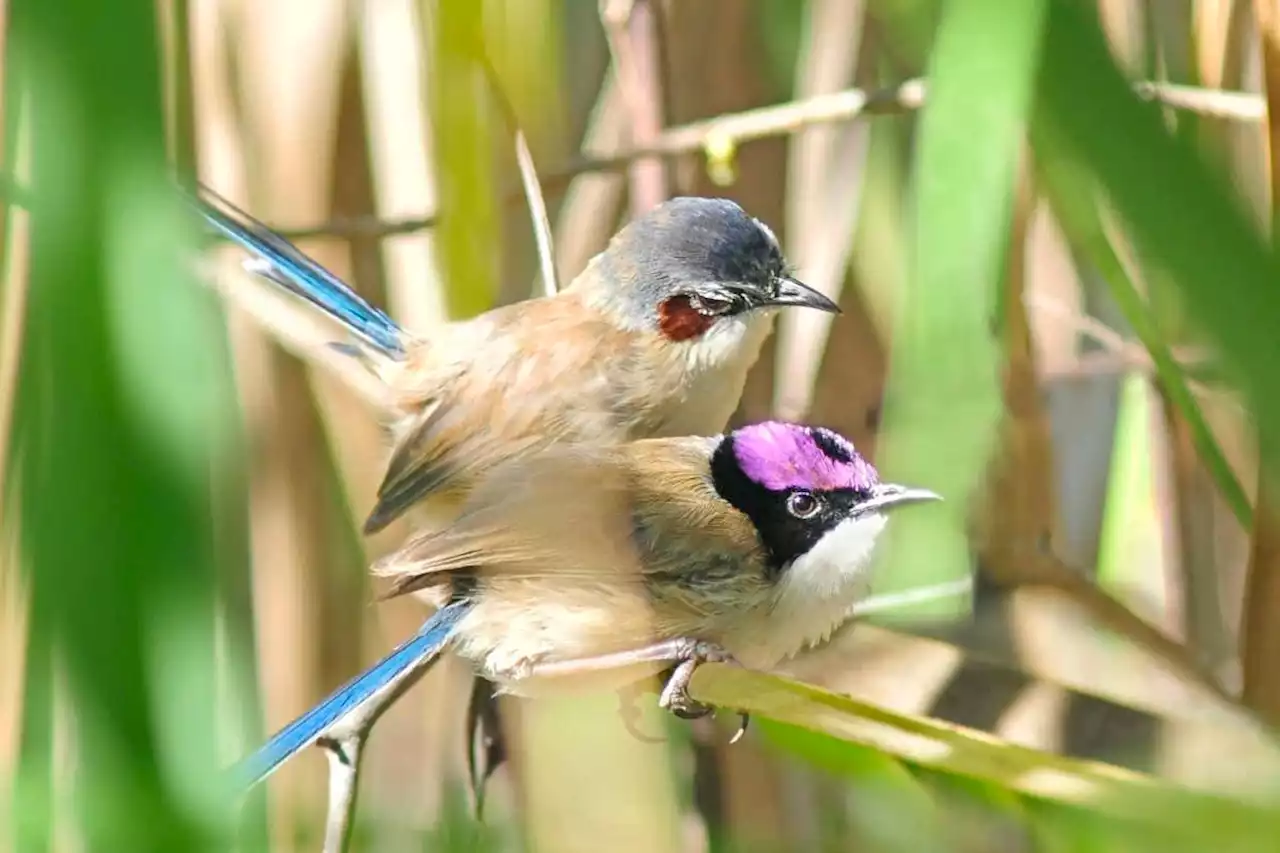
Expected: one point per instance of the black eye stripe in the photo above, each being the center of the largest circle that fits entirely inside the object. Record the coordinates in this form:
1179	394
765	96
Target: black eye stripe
784	536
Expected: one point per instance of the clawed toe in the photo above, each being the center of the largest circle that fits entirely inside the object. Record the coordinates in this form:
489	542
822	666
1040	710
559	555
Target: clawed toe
675	694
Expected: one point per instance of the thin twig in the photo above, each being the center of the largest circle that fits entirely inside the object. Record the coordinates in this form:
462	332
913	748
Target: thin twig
344	777
1232	106
344	742
1119	353
1082	323
761	123
906	598
538	214
788	118
631	29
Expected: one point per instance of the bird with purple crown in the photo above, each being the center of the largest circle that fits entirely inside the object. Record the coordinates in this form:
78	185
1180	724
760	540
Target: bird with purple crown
588	566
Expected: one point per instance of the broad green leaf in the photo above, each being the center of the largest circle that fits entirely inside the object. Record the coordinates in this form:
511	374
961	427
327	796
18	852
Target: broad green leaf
1174	206
125	408
890	806
1070	188
462	130
965	752
944	399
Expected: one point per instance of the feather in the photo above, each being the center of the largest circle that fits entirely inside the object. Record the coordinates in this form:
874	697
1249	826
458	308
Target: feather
279	261
314	724
507	384
602	514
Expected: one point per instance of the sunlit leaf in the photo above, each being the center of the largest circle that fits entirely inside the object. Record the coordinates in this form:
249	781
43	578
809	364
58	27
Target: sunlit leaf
954	749
125	407
1070	188
1172	203
944	400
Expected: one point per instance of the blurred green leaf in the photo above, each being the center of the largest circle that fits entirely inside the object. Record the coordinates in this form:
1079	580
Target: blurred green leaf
891	807
956	750
1173	205
944	398
31	802
978	815
1128	523
125	407
462	131
1071	190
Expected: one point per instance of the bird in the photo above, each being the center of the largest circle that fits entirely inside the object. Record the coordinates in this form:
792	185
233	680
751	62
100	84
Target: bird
594	566
654	338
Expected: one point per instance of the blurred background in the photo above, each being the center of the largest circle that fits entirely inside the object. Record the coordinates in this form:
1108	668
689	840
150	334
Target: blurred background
1048	224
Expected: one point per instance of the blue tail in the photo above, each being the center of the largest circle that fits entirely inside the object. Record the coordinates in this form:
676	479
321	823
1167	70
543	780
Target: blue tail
311	726
282	262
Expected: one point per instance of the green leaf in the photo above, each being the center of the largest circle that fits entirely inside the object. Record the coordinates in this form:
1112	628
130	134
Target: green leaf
944	397
891	808
963	752
1174	206
1069	186
125	408
462	133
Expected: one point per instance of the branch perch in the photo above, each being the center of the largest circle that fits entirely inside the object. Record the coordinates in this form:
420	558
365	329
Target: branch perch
344	743
781	120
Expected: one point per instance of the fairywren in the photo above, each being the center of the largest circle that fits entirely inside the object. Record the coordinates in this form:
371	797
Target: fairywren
604	565
654	338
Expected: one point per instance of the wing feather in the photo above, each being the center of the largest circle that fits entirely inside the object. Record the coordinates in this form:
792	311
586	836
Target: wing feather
501	387
565	510
620	515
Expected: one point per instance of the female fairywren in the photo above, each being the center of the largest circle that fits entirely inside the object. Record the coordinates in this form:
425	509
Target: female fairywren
654	338
589	565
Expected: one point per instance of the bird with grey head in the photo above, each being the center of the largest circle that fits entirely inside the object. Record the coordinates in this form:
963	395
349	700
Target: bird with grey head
654	338
593	566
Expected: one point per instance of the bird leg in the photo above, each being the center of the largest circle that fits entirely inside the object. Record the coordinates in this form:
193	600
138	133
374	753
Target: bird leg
486	741
686	653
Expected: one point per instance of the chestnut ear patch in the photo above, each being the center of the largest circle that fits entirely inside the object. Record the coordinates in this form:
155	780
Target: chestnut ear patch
680	321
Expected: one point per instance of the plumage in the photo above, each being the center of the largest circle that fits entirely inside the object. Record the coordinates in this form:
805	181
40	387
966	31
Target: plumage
290	268
304	731
584	551
594	566
594	364
653	339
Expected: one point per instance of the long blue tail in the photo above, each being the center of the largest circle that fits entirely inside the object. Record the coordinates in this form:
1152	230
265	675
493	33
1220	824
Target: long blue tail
311	726
286	265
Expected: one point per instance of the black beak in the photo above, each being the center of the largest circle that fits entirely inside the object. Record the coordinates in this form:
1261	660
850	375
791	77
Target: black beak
793	292
887	495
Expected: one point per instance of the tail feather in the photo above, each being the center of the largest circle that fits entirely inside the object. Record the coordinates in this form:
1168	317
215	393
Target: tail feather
279	261
314	724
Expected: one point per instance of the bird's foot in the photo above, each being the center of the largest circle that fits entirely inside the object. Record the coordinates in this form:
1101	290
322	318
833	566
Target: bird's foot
675	694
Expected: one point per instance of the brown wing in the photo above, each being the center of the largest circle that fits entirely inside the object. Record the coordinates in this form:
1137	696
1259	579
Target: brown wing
499	387
590	513
566	510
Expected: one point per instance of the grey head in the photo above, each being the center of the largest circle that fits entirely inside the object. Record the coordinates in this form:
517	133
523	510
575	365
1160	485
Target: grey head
692	261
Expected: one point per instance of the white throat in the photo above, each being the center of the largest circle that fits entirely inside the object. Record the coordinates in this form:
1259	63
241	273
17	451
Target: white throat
714	370
815	593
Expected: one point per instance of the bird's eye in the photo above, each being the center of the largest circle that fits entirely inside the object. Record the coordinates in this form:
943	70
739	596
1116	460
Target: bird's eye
803	504
711	305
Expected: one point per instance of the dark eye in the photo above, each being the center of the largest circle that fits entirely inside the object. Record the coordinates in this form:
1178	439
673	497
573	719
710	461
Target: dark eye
803	504
711	305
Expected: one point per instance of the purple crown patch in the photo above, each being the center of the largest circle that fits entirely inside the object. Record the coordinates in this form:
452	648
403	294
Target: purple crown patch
781	456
